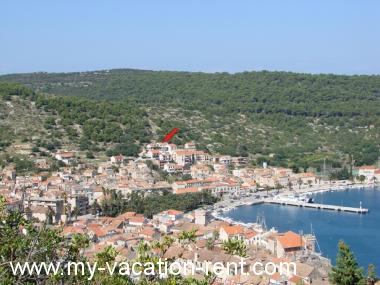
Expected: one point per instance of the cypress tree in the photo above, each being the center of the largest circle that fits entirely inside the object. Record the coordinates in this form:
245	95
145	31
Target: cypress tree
346	271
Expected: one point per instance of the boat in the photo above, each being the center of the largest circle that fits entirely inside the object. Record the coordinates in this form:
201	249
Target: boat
297	198
307	199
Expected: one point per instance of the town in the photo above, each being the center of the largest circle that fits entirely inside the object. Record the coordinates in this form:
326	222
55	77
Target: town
70	199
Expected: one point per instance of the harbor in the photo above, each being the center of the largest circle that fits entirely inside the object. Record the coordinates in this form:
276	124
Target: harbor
298	198
329	226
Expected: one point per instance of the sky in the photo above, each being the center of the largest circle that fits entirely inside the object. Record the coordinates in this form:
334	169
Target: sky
324	36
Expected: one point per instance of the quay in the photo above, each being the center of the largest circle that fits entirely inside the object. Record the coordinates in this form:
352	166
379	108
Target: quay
318	206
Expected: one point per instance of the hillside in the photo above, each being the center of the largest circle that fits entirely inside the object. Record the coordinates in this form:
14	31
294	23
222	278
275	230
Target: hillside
286	118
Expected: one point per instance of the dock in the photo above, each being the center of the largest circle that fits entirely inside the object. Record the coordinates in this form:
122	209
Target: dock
318	206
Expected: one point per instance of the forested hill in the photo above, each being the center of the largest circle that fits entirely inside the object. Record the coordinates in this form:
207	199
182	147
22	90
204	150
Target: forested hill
268	92
296	117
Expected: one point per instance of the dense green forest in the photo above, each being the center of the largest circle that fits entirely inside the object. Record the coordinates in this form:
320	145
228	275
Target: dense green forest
115	203
284	118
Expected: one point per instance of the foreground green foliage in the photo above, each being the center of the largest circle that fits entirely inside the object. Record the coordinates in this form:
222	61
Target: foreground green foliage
22	242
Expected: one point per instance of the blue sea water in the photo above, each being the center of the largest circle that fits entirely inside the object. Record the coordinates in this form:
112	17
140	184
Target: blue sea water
360	232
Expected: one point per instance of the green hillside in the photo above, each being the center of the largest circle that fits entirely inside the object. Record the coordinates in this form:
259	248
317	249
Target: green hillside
286	118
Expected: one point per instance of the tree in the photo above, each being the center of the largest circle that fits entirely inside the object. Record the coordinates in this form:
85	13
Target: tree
95	208
167	242
38	245
210	243
361	178
290	185
371	275
75	213
78	243
50	215
90	155
187	236
299	182
236	247
346	271
278	186
267	188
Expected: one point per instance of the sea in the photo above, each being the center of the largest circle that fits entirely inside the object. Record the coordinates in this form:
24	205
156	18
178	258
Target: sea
360	231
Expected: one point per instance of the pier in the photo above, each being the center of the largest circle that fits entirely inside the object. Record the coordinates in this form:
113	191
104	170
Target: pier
318	206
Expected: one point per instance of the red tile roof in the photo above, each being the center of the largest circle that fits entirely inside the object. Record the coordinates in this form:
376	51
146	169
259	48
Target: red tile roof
233	230
187	190
174	212
290	240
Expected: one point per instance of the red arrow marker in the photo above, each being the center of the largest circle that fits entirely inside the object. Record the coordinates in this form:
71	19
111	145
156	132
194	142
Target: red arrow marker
170	135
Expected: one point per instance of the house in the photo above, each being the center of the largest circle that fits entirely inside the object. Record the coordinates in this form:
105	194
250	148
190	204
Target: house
368	171
192	183
13	204
153	153
137	221
117	159
296	280
231	232
190	145
201	217
79	202
226	159
187	190
173	168
306	179
189	156
38	212
200	171
67	157
169	215
89	173
286	244
42	204
376	176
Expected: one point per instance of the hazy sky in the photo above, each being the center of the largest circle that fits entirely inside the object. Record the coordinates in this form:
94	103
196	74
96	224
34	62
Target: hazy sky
329	36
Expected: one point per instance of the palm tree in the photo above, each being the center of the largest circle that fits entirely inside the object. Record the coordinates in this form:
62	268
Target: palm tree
64	196
167	242
142	249
267	188
28	213
95	208
75	212
278	186
235	246
49	215
210	243
187	236
299	182
67	211
290	185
